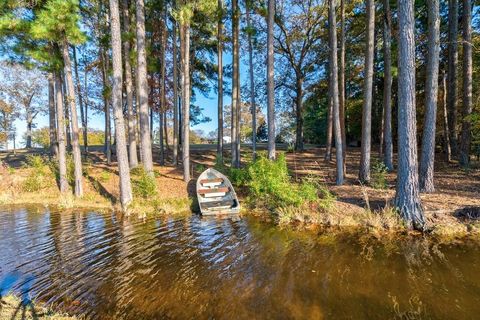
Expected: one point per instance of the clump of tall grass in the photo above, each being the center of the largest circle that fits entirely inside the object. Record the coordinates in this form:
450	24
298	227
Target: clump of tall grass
143	184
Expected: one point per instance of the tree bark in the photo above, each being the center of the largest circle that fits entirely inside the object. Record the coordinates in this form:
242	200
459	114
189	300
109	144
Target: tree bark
407	198
51	116
66	112
235	83
427	157
77	156
467	84
341	85
176	130
332	23
446	132
299	111
253	106
185	39
62	152
106	107
364	174
142	89
452	74
328	148
220	82
132	137
29	117
121	143
162	111
80	101
387	86
270	81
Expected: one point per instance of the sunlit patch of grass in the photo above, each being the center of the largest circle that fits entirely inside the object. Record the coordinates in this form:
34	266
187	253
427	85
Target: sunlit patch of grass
15	308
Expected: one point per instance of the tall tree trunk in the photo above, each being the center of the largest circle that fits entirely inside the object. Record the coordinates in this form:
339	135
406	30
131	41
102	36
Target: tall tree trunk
407	198
106	107
328	148
121	143
66	111
341	85
62	152
387	86
163	107
185	28
452	74
132	137
29	115
253	106
80	102
77	156
51	116
446	132
220	82
467	84
299	111
332	23
270	81
364	174
427	157
142	89
235	83
176	130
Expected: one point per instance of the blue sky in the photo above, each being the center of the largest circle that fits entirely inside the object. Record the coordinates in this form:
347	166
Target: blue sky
209	105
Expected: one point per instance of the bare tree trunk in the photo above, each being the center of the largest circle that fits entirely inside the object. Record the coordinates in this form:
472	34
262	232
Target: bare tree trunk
66	111
235	83
253	106
328	148
29	115
299	111
452	74
407	198
51	116
106	107
120	139
220	82
62	152
142	89
364	174
132	137
77	156
185	39
163	107
387	86
341	85
176	130
427	157
80	101
270	81
332	24
467	84
446	132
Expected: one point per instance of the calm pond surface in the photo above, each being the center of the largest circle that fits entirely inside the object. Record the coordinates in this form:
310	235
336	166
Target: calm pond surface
112	268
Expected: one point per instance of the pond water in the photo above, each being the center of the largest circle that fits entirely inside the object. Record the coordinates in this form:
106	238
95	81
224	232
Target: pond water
108	267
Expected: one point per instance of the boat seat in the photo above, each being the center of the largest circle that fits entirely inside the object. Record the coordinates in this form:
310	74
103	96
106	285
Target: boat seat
211	182
219	205
213	192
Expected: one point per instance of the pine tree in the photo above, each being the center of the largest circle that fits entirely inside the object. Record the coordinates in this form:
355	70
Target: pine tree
364	174
407	198
427	158
120	140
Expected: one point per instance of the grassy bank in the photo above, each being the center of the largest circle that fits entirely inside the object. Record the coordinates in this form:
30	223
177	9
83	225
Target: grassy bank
14	308
297	189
